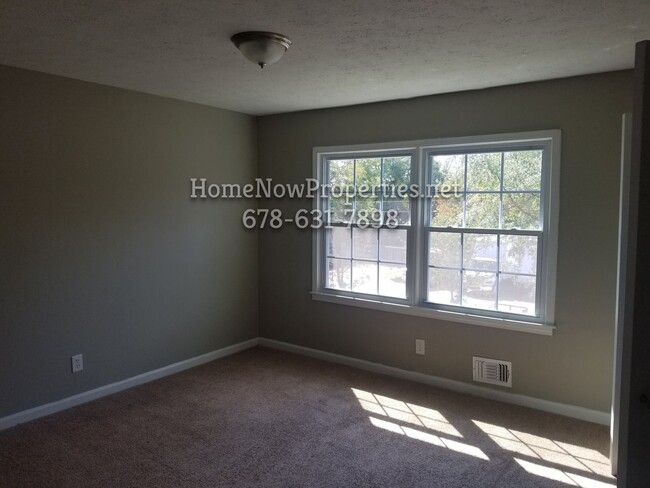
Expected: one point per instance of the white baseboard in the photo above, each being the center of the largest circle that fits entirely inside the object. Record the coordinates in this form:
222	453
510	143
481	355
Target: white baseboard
453	385
87	396
458	386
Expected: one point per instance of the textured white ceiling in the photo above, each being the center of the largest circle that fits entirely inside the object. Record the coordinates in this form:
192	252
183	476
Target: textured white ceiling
344	52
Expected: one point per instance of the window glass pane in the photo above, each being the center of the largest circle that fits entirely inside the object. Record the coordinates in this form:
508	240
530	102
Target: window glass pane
448	170
480	252
522	170
484	172
392	245
518	254
341	173
339	242
364	244
444	249
517	294
392	280
368	172
340	209
401	206
444	286
364	277
521	211
482	211
368	210
397	171
479	290
447	211
338	274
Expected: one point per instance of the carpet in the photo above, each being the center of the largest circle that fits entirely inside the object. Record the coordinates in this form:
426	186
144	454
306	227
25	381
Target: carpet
265	418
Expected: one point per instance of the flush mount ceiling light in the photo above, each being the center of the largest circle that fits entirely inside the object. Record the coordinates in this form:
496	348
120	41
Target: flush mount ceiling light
261	48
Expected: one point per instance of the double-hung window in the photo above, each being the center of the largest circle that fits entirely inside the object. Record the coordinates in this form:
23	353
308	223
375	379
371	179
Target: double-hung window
463	229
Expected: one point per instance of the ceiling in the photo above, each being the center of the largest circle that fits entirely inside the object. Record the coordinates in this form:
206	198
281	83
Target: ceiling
343	53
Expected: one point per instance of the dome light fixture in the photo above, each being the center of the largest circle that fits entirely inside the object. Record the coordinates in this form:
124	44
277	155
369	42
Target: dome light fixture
262	48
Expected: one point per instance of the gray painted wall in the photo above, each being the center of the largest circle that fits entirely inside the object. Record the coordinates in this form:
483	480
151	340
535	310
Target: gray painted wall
101	250
575	365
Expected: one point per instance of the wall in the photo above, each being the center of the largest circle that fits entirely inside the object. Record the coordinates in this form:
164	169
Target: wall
102	252
575	365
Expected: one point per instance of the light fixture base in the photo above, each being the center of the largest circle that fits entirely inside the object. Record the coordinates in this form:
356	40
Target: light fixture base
260	47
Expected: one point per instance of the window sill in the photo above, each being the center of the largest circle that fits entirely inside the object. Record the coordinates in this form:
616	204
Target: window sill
497	323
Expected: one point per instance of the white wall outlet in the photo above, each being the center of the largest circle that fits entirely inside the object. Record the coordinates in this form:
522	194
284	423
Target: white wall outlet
419	347
77	363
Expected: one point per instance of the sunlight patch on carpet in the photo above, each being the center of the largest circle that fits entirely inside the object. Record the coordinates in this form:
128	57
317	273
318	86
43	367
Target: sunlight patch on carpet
429	438
559	453
555	474
392	408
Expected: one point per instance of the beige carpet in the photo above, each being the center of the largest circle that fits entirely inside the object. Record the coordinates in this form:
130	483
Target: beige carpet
265	418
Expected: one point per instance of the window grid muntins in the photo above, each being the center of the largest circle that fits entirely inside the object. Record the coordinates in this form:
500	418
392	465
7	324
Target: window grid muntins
374	190
378	258
355	261
494	274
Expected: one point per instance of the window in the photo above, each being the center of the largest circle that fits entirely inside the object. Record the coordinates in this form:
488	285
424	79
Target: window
463	229
364	254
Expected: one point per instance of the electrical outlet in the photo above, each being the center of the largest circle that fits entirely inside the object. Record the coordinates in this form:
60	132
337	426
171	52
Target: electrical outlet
419	347
77	363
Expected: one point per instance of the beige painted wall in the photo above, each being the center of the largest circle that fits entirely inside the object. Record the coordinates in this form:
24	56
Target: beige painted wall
102	252
575	365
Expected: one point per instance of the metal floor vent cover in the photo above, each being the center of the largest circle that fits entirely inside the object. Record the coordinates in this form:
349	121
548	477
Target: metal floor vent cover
492	371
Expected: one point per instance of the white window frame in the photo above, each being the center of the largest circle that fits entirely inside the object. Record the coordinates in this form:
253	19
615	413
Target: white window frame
415	303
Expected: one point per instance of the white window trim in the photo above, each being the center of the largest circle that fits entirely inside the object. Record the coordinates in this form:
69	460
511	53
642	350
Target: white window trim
543	325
